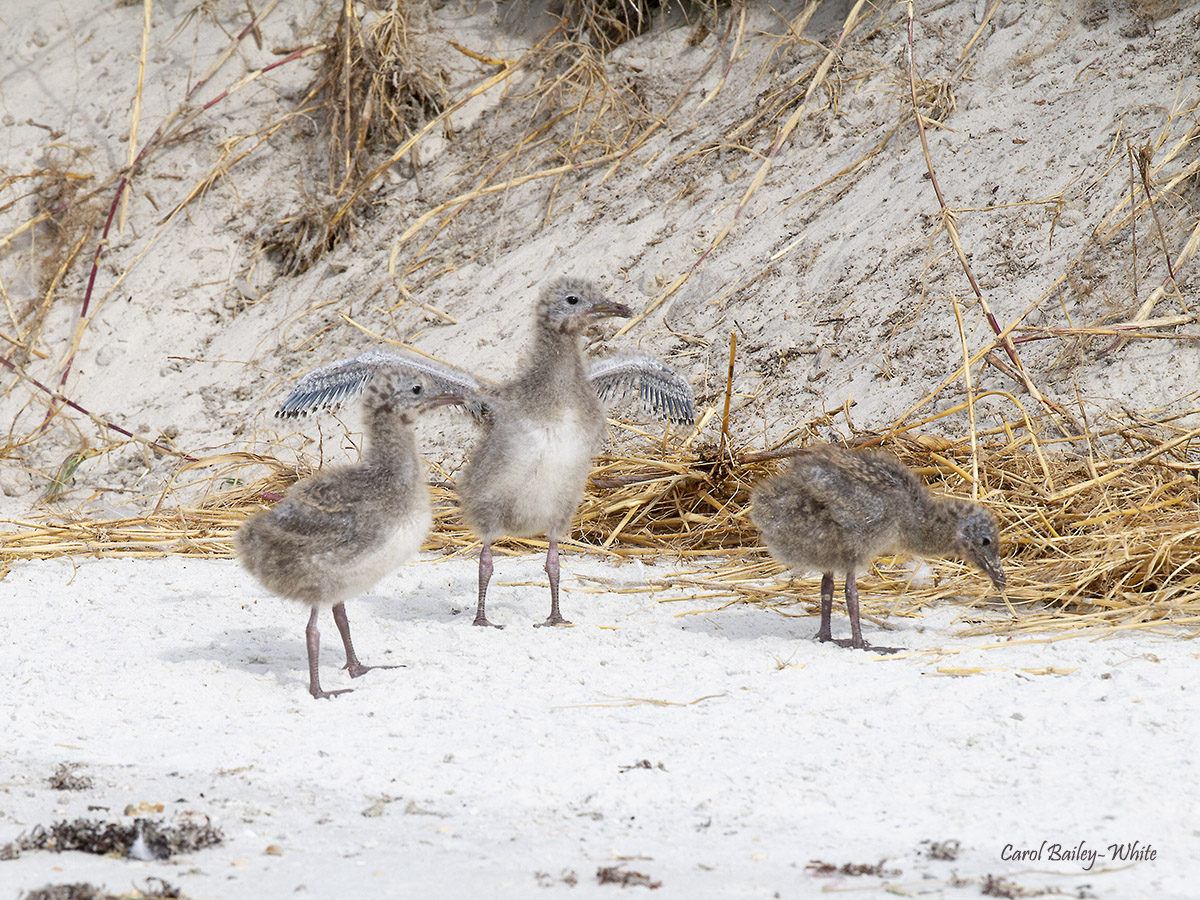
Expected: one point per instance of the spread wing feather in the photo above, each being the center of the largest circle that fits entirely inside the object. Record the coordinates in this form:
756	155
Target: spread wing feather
663	390
328	386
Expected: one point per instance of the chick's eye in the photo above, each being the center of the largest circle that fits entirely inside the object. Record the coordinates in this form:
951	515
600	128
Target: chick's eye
987	542
416	390
572	299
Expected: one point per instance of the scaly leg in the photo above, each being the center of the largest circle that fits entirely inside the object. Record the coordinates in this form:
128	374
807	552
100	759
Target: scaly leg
485	575
312	638
354	667
826	634
856	638
552	570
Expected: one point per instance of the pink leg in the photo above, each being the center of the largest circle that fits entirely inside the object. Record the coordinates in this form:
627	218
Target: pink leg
856	638
355	668
312	638
485	575
552	570
826	634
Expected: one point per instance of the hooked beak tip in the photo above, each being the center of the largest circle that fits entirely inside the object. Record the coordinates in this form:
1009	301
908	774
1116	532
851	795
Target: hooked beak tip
603	310
998	579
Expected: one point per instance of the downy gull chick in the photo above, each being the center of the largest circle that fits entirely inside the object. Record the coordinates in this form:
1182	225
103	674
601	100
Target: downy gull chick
339	531
835	510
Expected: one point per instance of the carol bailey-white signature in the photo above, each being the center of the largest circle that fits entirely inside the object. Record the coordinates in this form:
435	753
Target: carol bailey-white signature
1055	852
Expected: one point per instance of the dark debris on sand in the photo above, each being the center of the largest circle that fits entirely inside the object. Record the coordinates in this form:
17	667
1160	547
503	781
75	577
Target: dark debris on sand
625	878
997	886
161	840
155	889
65	779
821	868
942	850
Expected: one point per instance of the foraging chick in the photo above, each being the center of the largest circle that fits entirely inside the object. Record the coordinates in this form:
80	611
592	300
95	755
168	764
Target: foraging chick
542	429
339	531
834	510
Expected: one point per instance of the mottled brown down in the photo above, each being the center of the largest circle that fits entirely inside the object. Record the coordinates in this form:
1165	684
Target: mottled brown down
339	531
835	510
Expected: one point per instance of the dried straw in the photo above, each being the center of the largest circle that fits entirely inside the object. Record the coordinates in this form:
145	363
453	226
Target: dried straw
374	91
1090	542
610	23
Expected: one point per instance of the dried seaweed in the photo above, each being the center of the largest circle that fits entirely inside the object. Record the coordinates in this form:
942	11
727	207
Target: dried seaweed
625	878
154	889
141	839
65	779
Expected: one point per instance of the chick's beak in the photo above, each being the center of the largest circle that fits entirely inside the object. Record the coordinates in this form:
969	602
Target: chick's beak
989	564
437	400
998	577
606	309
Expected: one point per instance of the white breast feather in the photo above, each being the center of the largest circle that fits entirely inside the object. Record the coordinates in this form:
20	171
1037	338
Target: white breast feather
359	573
549	469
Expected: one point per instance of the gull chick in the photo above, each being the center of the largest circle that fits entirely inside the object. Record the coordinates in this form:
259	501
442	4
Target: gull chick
339	531
835	510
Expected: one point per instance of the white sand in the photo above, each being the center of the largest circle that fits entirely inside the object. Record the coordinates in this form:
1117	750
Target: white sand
498	755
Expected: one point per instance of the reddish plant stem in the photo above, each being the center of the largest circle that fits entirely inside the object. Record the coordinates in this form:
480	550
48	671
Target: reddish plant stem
124	176
294	55
57	395
87	296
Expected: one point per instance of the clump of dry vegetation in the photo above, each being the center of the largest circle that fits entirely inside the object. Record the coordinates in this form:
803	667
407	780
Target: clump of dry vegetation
143	838
609	23
376	86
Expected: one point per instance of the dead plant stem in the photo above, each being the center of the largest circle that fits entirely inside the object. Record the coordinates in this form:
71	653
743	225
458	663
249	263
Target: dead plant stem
728	393
66	401
135	115
948	220
962	337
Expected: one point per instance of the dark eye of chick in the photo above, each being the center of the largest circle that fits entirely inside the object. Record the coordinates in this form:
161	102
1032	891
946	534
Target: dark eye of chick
416	389
572	299
987	542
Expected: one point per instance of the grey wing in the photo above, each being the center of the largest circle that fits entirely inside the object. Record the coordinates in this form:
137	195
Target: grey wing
663	390
326	387
301	516
851	502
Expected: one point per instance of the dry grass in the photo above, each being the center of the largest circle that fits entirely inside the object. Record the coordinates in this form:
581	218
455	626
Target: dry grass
67	214
607	24
379	89
1090	540
374	90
